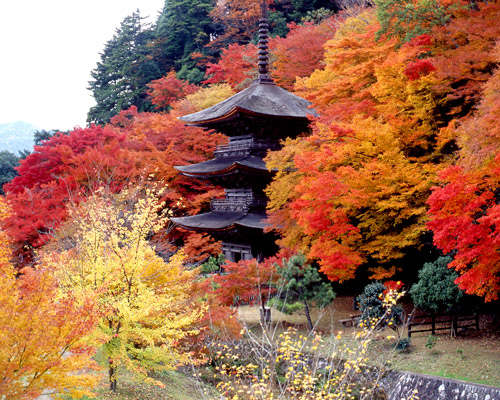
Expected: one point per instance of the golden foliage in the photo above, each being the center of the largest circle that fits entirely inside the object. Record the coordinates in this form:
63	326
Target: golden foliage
203	98
41	345
143	301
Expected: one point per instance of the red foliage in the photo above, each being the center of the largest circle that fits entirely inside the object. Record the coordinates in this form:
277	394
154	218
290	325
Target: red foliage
417	69
466	219
67	167
219	322
236	66
296	55
246	281
198	245
166	90
392	285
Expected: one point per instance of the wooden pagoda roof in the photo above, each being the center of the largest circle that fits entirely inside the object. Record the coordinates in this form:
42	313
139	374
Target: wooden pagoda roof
217	221
260	99
222	166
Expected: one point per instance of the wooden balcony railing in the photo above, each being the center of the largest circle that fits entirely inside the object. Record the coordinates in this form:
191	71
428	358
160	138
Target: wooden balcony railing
240	204
242	146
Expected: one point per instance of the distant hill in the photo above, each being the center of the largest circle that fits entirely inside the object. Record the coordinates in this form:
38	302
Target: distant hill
16	136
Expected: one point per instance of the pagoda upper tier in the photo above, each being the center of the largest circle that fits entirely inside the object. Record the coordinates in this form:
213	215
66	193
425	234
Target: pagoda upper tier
261	99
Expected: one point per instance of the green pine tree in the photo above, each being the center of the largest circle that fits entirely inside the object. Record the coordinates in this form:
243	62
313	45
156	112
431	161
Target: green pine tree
301	284
183	27
406	19
126	66
8	162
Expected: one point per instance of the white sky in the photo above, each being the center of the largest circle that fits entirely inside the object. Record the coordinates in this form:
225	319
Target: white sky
47	50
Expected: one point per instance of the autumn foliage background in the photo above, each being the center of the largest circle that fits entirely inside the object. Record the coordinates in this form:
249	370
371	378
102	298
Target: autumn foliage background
401	166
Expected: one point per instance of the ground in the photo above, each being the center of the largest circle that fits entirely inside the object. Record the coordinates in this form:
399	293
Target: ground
471	356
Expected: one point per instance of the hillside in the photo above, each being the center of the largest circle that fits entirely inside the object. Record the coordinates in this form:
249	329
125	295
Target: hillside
16	136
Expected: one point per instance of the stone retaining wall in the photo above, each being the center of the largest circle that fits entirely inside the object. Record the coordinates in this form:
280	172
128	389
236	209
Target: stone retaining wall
403	385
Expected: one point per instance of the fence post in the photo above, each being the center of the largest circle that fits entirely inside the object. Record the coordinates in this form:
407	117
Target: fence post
477	321
433	323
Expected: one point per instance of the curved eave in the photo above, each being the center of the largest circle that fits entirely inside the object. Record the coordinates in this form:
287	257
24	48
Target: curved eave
221	221
235	112
231	170
224	166
264	100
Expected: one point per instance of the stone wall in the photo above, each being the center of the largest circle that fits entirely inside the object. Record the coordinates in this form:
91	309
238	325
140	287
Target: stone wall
402	385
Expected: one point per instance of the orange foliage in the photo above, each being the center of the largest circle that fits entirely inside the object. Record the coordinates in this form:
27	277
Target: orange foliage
479	135
355	191
300	52
464	59
239	19
41	342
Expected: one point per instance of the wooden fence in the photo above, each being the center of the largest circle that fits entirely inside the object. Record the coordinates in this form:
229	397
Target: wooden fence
440	322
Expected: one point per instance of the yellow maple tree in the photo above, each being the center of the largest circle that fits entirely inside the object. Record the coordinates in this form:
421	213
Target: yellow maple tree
143	301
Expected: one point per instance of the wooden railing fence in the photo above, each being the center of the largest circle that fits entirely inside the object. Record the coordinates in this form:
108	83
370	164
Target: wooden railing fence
440	322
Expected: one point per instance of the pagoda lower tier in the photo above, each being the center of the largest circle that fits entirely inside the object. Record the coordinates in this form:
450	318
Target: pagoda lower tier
221	221
223	166
242	234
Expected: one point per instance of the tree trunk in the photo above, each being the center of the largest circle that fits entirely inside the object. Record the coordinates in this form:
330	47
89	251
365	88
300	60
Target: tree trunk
265	315
111	364
308	316
112	376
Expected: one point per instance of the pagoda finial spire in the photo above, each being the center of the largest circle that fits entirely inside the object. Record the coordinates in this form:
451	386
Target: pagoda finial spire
263	63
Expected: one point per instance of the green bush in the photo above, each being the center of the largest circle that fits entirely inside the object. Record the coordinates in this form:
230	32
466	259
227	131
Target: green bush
403	345
373	308
213	264
436	290
431	342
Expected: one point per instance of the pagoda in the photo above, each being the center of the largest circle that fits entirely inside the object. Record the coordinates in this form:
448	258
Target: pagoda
255	120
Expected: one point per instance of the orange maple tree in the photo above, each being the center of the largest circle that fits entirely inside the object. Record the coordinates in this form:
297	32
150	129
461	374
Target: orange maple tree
41	345
300	52
354	192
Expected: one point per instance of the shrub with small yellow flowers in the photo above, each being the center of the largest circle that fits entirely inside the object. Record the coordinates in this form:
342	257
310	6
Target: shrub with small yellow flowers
302	367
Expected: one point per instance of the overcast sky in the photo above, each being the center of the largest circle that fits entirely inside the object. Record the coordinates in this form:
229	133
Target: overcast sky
47	50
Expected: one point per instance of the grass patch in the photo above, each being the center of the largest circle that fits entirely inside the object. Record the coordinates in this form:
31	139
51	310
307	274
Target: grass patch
178	386
472	359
